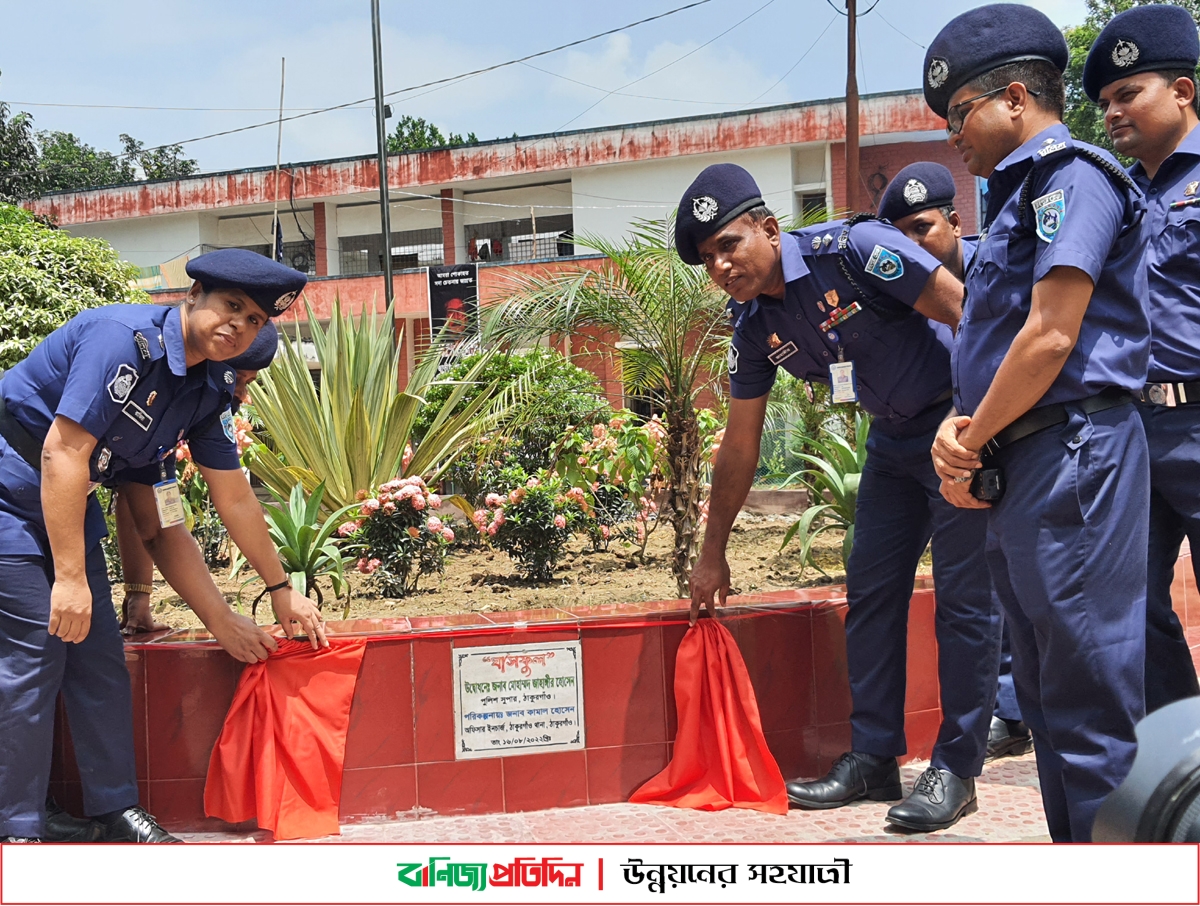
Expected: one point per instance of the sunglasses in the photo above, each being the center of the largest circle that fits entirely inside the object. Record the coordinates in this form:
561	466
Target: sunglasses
956	117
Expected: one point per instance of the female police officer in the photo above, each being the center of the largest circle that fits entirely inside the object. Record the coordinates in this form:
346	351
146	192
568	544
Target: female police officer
115	389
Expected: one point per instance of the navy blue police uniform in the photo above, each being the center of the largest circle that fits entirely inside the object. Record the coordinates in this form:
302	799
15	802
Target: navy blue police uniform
120	372
850	288
919	187
1066	543
1163	38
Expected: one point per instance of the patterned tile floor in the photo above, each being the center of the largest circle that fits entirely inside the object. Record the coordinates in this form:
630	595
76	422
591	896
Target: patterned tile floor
1010	810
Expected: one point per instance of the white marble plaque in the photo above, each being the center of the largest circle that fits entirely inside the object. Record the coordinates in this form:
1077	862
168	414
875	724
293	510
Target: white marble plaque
518	699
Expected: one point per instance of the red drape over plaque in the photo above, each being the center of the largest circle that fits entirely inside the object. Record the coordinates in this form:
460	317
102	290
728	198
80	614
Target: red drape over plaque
280	755
721	758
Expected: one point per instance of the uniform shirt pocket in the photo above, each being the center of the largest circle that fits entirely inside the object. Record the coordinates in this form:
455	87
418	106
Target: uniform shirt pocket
1181	237
988	282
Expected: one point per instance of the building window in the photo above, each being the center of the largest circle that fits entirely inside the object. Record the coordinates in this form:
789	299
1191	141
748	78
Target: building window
514	240
812	207
410	248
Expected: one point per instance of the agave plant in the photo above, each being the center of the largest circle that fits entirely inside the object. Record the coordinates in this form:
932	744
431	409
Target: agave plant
833	479
355	432
305	544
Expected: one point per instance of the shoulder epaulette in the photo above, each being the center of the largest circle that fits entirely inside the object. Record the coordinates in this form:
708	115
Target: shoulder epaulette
885	308
1059	150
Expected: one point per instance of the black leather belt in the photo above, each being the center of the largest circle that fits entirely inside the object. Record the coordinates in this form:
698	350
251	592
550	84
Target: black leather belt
1169	394
19	438
1056	414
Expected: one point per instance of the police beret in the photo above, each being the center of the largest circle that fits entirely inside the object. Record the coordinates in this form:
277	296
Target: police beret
718	195
915	188
273	286
260	353
984	39
1139	40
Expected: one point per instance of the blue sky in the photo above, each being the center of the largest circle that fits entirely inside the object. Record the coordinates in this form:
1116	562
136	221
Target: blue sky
222	54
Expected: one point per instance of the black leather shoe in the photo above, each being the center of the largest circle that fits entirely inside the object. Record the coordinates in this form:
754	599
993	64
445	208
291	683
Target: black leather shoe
133	825
1007	737
938	800
854	776
20	839
62	827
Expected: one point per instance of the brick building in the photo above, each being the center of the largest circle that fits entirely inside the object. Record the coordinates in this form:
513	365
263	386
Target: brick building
512	203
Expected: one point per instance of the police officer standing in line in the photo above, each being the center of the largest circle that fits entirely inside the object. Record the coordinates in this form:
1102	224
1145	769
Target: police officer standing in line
137	566
115	389
1142	71
919	201
1053	341
846	303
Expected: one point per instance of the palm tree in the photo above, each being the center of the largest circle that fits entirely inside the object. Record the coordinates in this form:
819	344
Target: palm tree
669	320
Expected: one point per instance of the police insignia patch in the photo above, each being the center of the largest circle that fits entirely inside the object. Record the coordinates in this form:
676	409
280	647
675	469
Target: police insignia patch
1048	213
915	192
884	264
285	300
229	378
122	383
1190	189
1125	53
733	359
939	71
103	459
228	426
704	208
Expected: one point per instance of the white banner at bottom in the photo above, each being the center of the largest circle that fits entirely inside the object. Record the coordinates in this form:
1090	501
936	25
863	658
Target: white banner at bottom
368	873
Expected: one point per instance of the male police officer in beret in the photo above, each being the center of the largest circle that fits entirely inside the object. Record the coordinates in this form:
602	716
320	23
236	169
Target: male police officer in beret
1142	72
846	303
919	201
1053	341
114	390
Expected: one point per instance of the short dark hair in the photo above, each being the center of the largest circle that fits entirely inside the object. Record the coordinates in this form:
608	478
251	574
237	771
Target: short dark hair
947	210
759	213
1171	76
1036	75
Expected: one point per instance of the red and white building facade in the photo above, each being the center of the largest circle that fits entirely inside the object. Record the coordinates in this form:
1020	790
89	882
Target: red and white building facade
507	204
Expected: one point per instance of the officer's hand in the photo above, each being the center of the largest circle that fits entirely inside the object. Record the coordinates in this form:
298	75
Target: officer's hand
289	607
136	615
709	581
242	639
950	458
70	610
959	494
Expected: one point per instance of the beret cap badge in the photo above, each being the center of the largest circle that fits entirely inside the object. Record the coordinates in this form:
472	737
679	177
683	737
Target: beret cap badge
285	300
915	191
1125	53
704	208
939	71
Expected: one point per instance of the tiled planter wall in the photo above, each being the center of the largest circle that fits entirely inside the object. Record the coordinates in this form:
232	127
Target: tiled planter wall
399	752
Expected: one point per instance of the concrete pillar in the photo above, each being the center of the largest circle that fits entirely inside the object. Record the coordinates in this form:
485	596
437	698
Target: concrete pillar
454	237
319	240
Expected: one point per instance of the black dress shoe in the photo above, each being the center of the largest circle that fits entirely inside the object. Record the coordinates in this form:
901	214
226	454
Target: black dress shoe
20	839
62	827
938	800
1007	737
133	825
854	776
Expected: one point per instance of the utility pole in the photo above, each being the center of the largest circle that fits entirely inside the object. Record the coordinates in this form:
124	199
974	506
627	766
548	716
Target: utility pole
276	227
853	177
385	214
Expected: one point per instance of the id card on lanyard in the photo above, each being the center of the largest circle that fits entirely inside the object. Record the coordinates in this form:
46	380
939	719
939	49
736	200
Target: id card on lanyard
842	384
167	497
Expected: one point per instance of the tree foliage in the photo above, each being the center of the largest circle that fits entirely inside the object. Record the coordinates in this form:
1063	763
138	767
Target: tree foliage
18	156
1081	115
67	162
48	276
413	133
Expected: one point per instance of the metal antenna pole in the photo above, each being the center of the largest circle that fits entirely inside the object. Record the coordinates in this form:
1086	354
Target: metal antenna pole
853	176
385	214
275	226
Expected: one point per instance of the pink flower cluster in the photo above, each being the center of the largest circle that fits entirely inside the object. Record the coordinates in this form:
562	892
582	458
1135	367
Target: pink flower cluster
365	566
396	493
488	522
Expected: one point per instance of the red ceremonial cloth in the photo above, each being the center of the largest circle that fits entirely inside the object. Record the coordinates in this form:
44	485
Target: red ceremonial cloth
280	755
721	758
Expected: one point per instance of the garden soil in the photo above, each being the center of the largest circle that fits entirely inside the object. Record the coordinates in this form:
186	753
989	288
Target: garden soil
484	581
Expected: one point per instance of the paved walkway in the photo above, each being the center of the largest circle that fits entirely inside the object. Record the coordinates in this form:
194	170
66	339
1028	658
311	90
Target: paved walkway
1010	810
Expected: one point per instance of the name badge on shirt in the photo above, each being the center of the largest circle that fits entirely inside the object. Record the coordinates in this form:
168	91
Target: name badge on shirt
786	351
842	383
170	503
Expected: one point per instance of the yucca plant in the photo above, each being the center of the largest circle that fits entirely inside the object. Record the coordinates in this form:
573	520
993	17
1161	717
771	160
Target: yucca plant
837	470
305	544
354	433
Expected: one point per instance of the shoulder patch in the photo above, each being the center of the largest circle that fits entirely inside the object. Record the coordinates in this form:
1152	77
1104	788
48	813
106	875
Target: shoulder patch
228	426
733	359
122	383
1048	214
1051	149
884	264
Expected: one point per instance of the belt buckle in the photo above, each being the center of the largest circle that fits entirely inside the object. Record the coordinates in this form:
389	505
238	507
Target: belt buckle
1161	394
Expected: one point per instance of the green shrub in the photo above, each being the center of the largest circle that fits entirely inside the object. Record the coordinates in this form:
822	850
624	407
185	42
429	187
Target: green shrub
48	276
